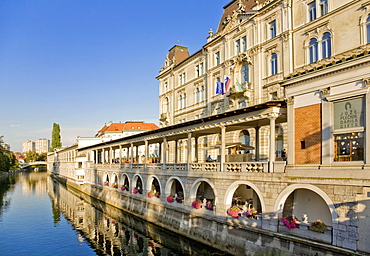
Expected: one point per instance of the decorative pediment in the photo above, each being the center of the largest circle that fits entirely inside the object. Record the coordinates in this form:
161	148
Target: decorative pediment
239	61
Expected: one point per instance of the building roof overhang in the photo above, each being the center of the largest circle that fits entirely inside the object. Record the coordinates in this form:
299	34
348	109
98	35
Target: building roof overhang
240	119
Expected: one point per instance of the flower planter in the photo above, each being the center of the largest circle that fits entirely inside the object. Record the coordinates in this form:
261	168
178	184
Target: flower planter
170	199
234	211
197	204
290	221
179	200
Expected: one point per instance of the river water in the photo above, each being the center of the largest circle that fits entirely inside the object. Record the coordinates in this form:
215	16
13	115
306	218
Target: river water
39	216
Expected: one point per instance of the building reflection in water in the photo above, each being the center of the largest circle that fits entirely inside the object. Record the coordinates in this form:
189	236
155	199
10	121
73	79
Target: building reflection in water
111	231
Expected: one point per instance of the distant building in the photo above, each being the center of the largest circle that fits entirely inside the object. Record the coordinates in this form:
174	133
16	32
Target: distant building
28	146
20	158
119	130
42	146
114	131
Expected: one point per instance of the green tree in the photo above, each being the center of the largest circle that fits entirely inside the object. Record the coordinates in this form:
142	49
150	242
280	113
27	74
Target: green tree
4	157
55	137
42	156
31	156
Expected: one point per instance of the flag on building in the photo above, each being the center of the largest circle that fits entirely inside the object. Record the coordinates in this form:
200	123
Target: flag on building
220	88
238	86
227	84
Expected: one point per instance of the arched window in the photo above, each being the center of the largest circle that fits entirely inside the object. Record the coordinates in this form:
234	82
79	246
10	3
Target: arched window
326	45
368	29
274	64
245	73
313	49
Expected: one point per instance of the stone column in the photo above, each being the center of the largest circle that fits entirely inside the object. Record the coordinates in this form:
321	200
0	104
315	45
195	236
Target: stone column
176	151
223	147
257	142
131	154
291	131
189	160
164	153
196	150
272	143
146	151
120	154
137	154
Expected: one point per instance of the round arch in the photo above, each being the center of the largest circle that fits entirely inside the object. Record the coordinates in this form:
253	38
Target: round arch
231	189
135	180
123	178
280	200
194	187
114	178
106	177
169	185
150	181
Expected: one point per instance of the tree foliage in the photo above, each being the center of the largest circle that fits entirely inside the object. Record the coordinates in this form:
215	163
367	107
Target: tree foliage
31	156
5	161
55	137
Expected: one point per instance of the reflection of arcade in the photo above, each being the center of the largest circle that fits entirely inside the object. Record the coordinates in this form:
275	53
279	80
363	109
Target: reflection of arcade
114	232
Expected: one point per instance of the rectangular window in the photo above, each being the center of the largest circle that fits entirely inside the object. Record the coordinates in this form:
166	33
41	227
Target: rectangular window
237	46
349	147
217	58
182	79
324	7
273	29
312	11
197	70
349	115
303	144
274	64
244	43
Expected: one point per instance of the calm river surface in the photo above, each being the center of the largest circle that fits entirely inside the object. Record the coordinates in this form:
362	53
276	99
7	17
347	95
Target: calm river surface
39	216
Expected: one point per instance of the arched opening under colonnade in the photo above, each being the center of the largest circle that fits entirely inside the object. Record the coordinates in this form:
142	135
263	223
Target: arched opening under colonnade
246	197
153	186
203	194
308	203
175	189
137	184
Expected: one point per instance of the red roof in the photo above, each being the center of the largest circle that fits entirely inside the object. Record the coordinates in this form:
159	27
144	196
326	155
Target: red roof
128	126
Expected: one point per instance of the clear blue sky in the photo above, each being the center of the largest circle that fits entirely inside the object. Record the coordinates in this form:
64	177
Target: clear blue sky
83	63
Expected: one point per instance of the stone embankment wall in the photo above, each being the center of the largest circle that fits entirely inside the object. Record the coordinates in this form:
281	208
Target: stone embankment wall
221	233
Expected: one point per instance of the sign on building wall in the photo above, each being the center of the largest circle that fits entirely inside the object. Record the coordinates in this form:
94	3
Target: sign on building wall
349	113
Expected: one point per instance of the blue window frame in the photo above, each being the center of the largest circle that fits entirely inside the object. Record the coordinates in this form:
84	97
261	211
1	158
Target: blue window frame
274	64
273	29
326	45
313	49
245	73
312	10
